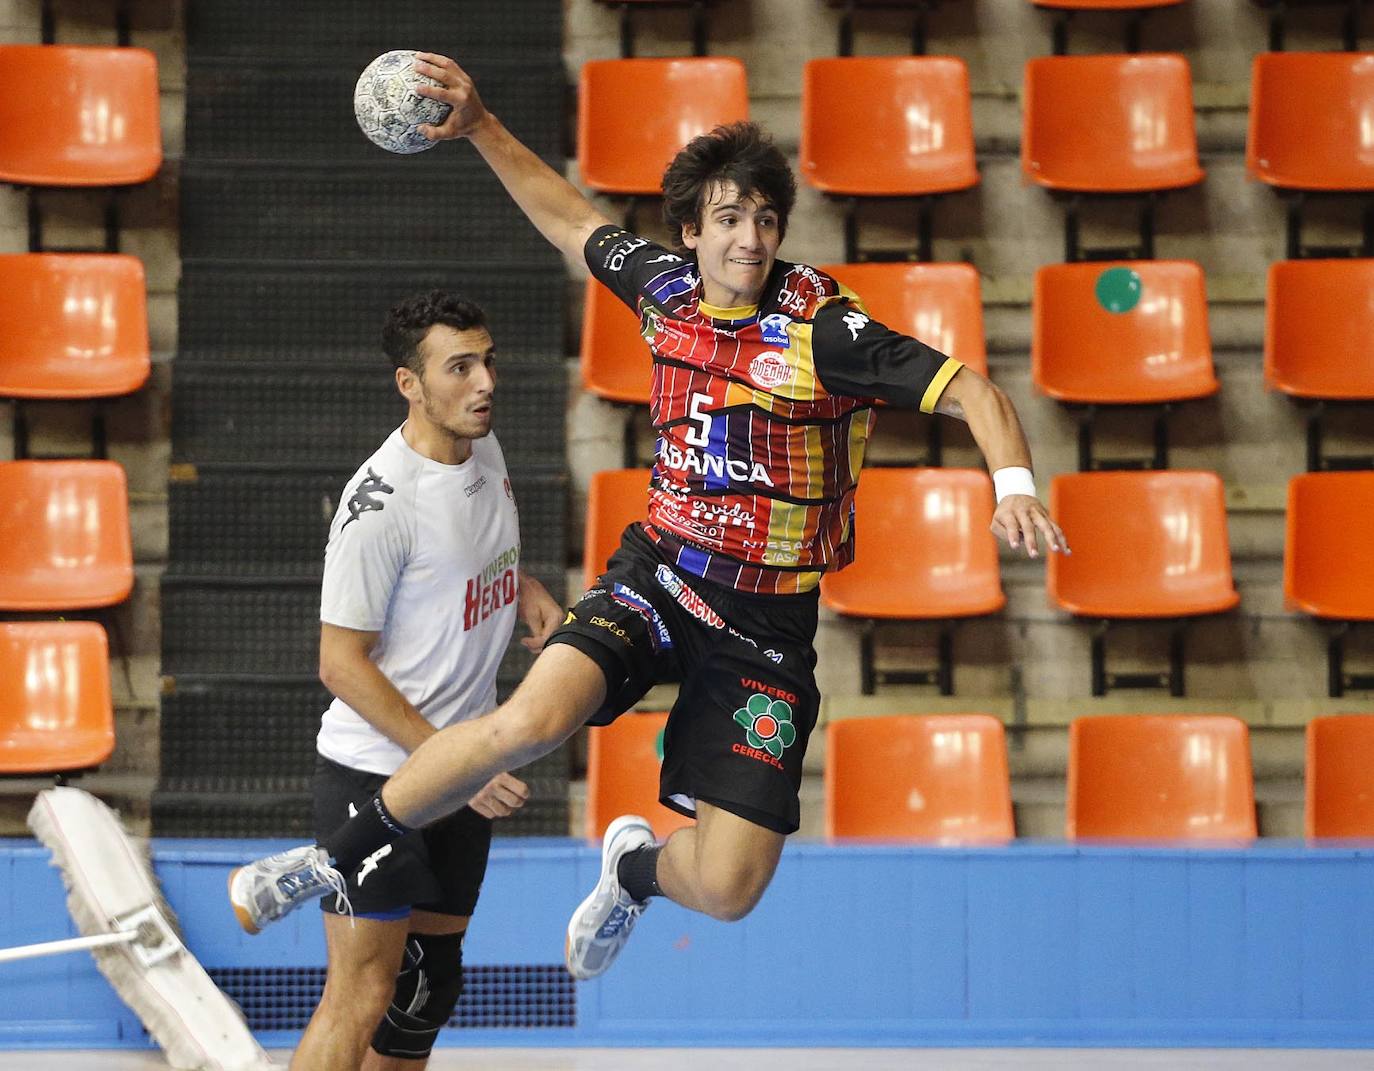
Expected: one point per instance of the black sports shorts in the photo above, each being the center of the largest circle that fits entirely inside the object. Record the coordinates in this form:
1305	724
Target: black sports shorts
737	734
437	868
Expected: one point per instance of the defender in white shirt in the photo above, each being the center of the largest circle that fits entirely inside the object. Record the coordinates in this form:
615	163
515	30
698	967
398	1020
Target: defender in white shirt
422	588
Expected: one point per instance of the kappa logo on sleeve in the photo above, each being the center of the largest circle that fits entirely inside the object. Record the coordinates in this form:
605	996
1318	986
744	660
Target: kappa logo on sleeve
363	500
856	322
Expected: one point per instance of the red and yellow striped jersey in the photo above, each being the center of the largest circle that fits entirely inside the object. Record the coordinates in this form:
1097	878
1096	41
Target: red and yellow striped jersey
763	413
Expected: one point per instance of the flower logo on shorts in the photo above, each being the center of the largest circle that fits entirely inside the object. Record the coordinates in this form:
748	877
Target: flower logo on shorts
768	724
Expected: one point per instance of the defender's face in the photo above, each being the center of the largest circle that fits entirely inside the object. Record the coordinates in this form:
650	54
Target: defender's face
735	246
456	391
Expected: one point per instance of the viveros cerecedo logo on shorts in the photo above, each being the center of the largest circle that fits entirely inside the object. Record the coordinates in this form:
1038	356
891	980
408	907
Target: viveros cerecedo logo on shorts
768	728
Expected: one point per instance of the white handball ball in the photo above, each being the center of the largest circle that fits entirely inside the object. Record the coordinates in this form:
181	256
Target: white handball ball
389	110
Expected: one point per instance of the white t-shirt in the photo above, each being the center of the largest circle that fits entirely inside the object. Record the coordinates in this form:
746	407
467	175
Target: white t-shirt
428	555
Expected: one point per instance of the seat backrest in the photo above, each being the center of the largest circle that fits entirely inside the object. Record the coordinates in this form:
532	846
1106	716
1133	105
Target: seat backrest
1309	118
1160	777
940	304
56	714
1327	567
1318	320
615	499
1340	776
78	115
616	364
1145	544
633	115
1130	332
922	547
1109	124
940	778
887	125
72	325
623	762
64	535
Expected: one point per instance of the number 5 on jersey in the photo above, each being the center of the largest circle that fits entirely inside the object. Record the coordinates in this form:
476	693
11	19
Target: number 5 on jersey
700	432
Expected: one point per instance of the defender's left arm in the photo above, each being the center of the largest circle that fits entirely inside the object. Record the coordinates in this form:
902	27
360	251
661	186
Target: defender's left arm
996	428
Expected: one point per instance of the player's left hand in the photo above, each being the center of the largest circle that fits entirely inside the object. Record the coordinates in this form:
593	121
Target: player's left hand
538	611
1019	517
500	797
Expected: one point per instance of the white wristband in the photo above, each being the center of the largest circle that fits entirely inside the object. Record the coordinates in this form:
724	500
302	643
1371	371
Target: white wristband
1013	480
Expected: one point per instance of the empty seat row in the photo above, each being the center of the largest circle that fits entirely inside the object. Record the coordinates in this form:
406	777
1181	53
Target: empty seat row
943	778
901	126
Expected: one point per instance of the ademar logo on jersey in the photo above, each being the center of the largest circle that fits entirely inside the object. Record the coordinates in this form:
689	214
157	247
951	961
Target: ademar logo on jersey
770	369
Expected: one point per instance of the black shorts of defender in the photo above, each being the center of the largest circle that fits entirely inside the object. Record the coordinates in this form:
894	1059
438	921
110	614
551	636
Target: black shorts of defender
439	868
737	734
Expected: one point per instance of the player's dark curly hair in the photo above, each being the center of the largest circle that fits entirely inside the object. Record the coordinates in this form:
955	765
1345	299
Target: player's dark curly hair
409	321
740	153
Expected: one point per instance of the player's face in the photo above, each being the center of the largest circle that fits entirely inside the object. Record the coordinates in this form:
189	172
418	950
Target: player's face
735	246
456	391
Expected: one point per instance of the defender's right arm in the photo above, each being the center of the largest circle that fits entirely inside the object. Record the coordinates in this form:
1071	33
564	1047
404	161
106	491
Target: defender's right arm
556	208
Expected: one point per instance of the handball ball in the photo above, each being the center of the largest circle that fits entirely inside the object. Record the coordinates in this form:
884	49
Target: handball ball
389	110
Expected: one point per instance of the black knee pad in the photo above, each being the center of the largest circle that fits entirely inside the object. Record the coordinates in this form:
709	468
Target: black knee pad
427	991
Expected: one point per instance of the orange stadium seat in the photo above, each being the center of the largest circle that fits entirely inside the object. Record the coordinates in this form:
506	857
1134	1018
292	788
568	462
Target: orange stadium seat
940	778
1340	776
1155	777
1319	317
1145	545
1159	350
64	535
633	115
1309	115
1327	569
72	325
57	714
940	304
888	126
1169	526
615	361
623	762
1109	124
78	115
922	551
615	499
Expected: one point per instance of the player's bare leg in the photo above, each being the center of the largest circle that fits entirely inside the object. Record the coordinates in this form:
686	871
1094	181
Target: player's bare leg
721	866
363	962
562	690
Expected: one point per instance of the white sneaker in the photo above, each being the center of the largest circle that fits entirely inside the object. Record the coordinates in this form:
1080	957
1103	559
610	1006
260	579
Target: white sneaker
266	889
602	923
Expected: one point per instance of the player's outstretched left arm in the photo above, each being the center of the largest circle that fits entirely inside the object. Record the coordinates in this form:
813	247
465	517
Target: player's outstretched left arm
538	610
997	430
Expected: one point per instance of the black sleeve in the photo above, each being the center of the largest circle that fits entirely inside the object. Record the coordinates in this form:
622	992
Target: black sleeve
627	263
857	356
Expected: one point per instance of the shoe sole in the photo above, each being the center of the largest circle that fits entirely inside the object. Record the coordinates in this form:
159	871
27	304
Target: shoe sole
612	831
245	919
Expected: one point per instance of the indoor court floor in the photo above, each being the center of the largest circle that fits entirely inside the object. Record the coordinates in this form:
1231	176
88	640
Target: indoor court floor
788	1060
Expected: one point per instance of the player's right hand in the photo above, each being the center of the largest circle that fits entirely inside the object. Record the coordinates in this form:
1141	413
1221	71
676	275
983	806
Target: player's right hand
456	90
500	797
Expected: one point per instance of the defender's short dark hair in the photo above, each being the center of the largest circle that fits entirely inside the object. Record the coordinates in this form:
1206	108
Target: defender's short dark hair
740	153
410	320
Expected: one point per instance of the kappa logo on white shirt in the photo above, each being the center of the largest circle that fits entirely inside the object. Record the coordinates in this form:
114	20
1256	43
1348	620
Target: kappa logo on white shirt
856	322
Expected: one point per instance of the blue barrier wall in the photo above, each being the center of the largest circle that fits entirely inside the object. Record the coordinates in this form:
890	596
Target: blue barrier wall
1033	944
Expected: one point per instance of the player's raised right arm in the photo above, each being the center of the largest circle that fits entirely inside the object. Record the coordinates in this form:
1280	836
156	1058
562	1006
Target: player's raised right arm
556	208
